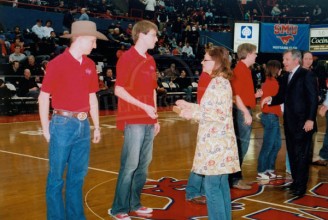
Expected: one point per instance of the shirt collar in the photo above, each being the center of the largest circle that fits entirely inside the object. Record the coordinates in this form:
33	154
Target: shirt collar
294	70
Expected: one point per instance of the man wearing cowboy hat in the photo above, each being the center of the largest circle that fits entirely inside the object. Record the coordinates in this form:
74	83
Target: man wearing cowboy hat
68	132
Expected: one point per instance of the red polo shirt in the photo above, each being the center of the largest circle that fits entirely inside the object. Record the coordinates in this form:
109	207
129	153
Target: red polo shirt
242	84
70	82
137	75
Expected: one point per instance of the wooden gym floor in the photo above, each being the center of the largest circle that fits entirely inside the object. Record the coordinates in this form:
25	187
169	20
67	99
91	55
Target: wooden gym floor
24	166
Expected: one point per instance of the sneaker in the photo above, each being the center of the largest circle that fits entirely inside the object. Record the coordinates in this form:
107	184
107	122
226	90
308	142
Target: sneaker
144	210
273	175
119	216
262	176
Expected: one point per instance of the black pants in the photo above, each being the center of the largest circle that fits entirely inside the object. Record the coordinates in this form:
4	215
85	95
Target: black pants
299	147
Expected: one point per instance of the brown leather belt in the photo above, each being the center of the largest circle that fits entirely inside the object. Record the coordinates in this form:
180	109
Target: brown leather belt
79	115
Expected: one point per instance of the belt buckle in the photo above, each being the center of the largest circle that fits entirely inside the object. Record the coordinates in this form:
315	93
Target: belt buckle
82	116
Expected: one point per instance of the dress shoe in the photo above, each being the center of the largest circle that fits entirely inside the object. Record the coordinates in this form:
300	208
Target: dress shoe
299	192
288	188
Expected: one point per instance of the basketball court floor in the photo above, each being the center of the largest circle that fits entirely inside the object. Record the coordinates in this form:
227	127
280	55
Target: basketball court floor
24	166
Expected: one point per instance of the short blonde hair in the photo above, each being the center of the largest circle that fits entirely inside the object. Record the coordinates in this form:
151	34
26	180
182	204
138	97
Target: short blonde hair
144	27
244	49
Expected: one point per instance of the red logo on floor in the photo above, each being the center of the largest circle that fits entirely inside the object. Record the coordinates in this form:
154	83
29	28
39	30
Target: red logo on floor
176	207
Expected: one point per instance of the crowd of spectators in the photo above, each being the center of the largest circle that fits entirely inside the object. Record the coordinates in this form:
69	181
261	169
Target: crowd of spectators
284	11
179	22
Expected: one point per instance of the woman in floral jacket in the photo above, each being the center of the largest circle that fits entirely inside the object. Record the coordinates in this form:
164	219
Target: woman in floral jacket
216	153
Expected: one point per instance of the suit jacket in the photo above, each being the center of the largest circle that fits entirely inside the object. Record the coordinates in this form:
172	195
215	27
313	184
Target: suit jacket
300	98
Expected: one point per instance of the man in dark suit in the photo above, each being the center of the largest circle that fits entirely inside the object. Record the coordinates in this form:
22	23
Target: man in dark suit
299	93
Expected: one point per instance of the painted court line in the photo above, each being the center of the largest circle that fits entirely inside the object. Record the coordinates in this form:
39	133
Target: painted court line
46	159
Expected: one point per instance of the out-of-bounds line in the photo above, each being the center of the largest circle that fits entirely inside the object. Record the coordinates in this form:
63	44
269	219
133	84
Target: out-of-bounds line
46	159
268	203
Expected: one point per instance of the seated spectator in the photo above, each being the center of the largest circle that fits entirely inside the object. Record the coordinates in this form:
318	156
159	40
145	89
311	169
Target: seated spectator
150	6
44	64
188	51
247	16
108	14
56	44
60	7
171	73
103	7
255	15
317	13
196	76
161	91
47	29
173	42
184	84
275	11
27	86
17	55
4	91
209	18
5	95
193	37
164	49
38	30
162	19
3	48
106	89
35	68
17	41
84	16
109	79
177	51
128	30
14	74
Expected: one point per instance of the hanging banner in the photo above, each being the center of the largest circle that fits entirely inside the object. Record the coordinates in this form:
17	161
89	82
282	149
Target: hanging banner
319	39
276	38
246	33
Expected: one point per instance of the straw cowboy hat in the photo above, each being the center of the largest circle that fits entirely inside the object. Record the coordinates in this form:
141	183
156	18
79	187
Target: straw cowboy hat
84	28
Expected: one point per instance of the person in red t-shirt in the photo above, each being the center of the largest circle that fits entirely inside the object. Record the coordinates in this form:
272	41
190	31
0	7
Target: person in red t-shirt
243	90
68	133
137	116
270	121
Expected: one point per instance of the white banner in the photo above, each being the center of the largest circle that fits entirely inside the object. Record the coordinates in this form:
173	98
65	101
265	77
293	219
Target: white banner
246	33
318	39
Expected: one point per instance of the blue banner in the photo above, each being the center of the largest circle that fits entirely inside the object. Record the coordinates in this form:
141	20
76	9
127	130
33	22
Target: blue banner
276	38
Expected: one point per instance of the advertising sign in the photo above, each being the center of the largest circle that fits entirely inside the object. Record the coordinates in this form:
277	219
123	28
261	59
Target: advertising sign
246	33
319	39
276	38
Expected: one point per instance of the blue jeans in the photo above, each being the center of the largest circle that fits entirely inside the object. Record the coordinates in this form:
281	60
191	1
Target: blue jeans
243	135
324	150
69	147
218	198
195	186
271	143
288	170
136	156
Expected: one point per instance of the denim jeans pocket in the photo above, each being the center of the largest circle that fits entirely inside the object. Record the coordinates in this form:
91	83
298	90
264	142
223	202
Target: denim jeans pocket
59	120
